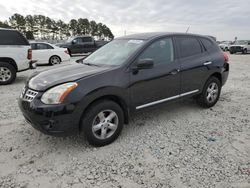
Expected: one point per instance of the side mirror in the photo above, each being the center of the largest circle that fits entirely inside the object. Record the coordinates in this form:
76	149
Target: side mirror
73	41
145	64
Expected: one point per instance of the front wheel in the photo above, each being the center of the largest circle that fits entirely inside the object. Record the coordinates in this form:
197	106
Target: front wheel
244	51
211	93
7	73
103	122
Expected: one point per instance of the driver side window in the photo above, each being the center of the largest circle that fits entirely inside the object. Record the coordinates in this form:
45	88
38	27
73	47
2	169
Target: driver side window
160	51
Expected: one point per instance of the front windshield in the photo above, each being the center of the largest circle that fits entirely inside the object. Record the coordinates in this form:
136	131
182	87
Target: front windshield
70	39
114	53
241	42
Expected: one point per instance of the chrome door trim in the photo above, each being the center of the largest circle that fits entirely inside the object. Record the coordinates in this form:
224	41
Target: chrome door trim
166	99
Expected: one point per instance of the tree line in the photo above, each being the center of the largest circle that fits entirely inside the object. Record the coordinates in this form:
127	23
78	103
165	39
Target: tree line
45	28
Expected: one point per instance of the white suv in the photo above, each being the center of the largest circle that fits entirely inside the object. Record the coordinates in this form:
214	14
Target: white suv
242	46
15	55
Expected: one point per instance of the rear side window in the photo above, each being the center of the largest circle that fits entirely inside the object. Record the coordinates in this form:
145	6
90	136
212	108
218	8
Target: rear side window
188	46
161	51
87	39
41	46
209	45
9	37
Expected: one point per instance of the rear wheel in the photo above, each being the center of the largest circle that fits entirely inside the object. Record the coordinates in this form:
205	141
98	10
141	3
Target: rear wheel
210	94
103	122
7	73
54	60
231	52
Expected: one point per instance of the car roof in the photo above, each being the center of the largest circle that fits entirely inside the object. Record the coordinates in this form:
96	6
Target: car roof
35	42
8	29
154	35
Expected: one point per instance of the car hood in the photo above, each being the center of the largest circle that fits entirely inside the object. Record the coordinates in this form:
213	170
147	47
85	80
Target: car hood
41	81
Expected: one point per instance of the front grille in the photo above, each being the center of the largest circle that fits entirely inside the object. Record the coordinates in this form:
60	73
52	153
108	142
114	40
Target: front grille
28	95
236	48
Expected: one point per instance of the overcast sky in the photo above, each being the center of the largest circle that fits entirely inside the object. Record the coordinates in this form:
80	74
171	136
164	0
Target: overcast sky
223	19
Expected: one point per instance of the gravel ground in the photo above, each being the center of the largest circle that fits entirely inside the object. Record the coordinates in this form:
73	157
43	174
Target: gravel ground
173	145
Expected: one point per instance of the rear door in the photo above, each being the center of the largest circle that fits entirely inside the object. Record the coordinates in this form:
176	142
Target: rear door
194	62
162	82
88	44
42	52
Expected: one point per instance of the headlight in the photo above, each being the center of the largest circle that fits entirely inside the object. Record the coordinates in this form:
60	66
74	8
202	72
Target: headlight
56	95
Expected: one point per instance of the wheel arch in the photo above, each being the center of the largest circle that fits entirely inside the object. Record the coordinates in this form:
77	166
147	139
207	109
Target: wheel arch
9	60
217	75
115	98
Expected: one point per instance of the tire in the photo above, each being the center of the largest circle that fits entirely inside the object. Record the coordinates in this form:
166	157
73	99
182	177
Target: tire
98	119
7	73
244	51
231	52
54	60
210	94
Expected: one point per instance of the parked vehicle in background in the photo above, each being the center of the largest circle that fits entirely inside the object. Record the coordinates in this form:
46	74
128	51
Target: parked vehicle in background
46	53
82	44
242	46
130	73
15	55
224	45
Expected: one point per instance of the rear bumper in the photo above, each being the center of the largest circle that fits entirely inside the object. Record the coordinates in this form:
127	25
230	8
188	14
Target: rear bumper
32	65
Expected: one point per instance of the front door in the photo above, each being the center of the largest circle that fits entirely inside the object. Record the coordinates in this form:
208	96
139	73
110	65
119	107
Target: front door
162	82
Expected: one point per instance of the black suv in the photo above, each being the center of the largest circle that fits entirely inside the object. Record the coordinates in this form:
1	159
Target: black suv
82	44
98	94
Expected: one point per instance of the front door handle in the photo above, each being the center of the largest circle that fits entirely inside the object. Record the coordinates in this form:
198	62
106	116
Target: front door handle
175	71
207	63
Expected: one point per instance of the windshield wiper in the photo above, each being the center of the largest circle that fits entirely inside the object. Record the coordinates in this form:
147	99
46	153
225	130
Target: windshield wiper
91	64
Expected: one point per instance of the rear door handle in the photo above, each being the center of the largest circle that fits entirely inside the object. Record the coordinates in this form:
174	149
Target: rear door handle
175	71
207	63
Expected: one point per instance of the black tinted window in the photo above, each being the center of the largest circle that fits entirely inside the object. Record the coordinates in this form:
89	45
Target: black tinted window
188	46
207	44
33	46
160	51
41	46
9	37
87	39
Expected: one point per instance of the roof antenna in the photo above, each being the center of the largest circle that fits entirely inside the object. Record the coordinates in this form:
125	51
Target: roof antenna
187	29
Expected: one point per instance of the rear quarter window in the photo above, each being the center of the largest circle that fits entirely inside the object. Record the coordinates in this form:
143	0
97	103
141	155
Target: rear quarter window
10	37
208	44
188	46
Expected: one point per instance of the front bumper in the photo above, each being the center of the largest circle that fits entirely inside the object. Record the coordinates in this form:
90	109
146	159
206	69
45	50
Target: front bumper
56	120
236	49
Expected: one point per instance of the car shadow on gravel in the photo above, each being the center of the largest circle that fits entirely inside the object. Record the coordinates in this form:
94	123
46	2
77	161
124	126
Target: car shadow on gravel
138	120
21	79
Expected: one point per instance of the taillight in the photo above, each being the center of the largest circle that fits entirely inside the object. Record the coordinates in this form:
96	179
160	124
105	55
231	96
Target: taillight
66	51
29	56
226	57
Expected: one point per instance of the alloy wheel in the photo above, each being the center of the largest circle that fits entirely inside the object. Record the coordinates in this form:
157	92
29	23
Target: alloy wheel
5	74
212	92
55	60
105	124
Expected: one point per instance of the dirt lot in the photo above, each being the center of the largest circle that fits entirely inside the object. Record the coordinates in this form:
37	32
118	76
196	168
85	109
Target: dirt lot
174	145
